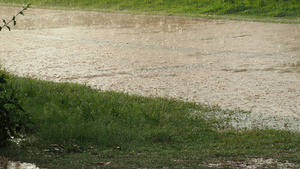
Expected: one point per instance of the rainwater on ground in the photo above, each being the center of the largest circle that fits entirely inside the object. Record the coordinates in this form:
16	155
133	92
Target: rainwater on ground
237	65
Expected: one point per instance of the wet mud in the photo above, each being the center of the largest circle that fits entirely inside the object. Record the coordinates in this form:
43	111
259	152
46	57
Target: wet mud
235	64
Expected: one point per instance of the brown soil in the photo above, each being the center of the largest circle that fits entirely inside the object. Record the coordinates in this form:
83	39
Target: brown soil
235	64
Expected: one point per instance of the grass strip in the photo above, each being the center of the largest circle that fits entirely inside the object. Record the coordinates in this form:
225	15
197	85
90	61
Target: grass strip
81	127
235	9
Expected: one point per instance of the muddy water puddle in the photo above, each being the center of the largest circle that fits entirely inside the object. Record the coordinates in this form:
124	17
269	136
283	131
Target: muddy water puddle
235	64
60	18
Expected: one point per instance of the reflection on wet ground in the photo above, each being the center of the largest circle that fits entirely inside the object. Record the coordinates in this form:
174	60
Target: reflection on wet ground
6	164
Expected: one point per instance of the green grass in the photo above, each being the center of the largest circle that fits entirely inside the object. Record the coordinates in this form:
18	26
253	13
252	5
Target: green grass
129	131
259	9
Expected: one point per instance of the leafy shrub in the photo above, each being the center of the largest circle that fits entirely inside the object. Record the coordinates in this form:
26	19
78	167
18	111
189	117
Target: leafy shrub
13	118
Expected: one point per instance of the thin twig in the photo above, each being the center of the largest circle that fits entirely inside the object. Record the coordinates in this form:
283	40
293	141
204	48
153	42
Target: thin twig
14	18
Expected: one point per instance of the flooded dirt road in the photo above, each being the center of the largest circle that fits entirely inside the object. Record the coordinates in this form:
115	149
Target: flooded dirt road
238	65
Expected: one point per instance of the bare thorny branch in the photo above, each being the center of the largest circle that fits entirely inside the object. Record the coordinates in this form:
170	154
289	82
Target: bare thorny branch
6	24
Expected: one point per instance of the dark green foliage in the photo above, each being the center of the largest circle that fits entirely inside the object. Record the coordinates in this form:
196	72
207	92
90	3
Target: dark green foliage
13	118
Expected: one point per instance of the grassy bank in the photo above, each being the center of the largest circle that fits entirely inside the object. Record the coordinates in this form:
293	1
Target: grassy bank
242	8
81	127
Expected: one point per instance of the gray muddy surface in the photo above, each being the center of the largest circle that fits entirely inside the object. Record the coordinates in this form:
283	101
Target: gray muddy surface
235	64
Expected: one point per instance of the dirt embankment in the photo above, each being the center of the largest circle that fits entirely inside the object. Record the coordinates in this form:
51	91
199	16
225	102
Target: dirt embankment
235	64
